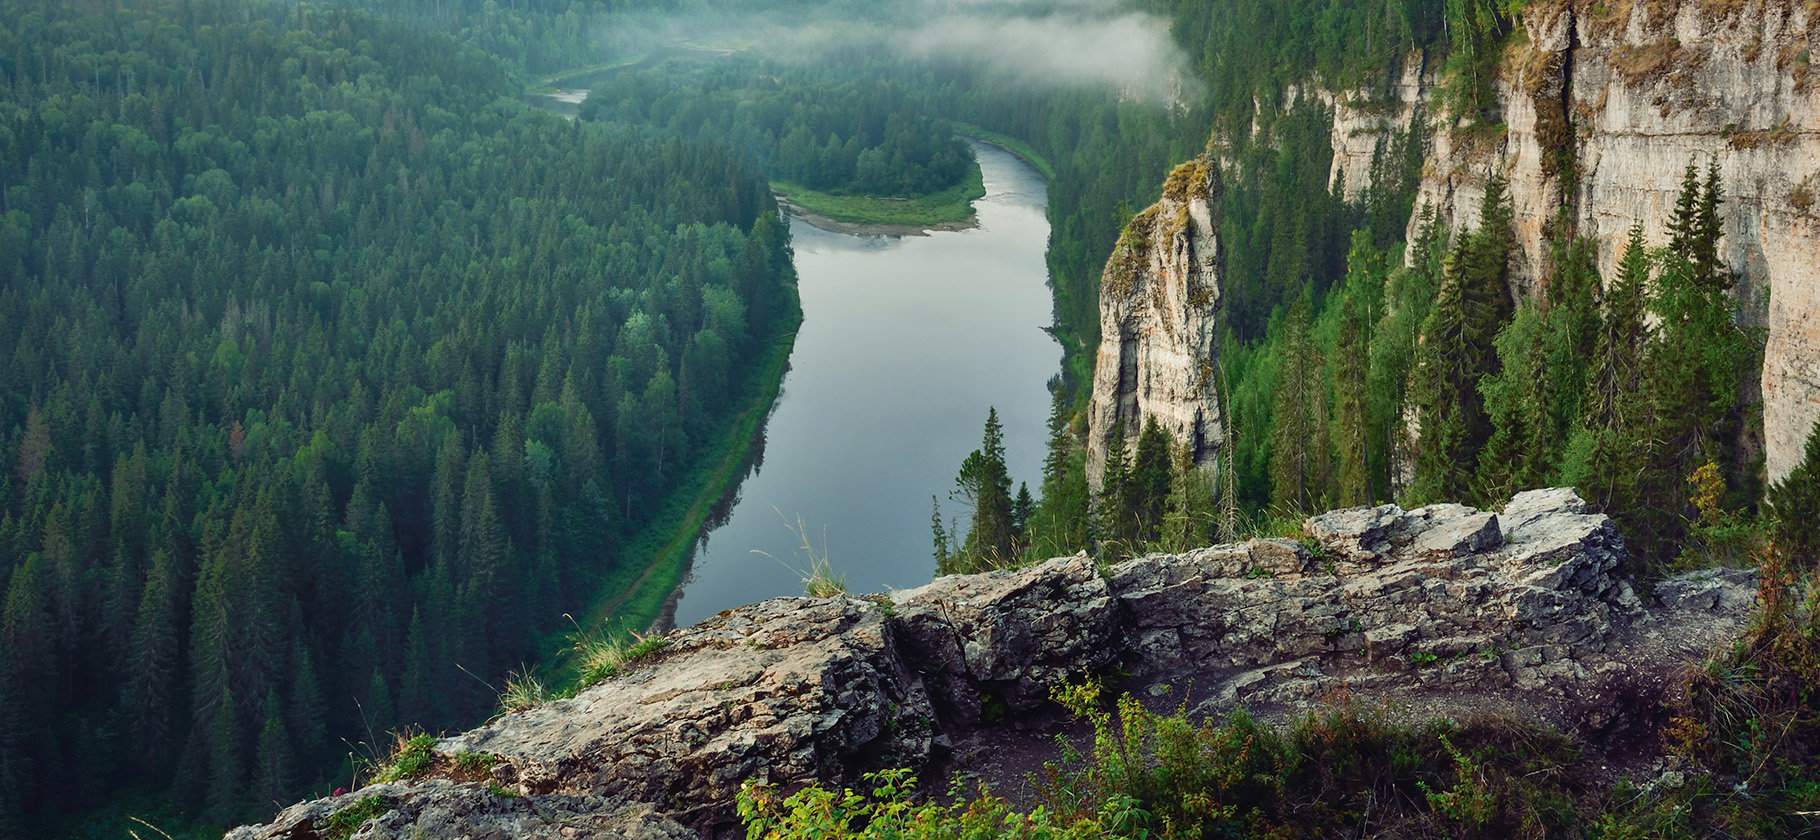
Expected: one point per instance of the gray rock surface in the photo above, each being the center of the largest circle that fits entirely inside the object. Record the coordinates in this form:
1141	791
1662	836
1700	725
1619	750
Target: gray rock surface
1159	298
1522	612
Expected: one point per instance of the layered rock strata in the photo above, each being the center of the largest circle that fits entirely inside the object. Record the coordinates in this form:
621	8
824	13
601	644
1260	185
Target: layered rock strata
1522	611
1603	105
1159	295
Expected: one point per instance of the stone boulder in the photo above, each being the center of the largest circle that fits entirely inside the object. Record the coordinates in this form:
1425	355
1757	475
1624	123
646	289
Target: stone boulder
1522	611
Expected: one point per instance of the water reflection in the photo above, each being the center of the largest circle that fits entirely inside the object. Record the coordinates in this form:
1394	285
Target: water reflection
904	344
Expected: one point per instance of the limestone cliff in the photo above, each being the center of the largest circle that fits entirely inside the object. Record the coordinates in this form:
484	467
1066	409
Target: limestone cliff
1519	612
1159	297
1603	105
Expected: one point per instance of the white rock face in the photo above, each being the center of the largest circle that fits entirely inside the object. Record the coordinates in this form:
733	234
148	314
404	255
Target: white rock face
1646	88
1159	295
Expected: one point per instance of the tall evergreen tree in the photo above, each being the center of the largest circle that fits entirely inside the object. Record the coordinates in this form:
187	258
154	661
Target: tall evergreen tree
984	486
1601	455
1148	486
1298	450
1795	502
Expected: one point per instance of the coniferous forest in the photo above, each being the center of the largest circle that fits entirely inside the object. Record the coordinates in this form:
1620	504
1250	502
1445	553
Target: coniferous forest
333	375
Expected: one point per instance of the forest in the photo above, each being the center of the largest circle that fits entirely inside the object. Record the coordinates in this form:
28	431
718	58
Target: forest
856	132
334	375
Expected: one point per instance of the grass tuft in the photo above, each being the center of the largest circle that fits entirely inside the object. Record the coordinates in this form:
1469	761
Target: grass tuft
522	692
818	575
412	753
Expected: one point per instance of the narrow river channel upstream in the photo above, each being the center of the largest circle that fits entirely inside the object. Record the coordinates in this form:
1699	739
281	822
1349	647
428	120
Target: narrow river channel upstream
905	343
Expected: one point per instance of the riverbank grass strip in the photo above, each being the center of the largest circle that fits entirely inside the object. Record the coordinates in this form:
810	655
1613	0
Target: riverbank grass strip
1023	150
639	592
954	204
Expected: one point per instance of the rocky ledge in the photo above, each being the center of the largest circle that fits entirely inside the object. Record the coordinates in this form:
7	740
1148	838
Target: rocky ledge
1442	609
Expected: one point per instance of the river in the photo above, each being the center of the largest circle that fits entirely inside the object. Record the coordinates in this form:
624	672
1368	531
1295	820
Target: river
905	343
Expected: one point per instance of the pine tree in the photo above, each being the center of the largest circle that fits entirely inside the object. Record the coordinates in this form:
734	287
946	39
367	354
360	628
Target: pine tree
152	663
1354	437
1110	512
273	779
1444	375
1147	486
1059	524
227	763
308	710
1297	449
1600	458
1190	514
1795	501
985	487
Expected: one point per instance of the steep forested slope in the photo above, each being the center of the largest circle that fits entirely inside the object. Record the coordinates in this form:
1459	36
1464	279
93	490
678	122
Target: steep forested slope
331	375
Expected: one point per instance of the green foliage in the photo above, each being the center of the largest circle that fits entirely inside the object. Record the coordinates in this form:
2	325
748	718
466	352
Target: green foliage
1795	503
349	818
327	348
983	487
885	810
474	766
412	755
858	132
1342	765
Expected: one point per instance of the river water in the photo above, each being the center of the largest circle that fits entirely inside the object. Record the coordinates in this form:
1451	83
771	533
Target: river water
905	343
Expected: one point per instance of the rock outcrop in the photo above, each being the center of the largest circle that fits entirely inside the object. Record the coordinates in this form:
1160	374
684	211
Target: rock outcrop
1451	610
1159	296
1603	105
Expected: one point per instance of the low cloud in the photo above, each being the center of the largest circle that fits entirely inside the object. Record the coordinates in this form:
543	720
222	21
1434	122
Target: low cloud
1132	52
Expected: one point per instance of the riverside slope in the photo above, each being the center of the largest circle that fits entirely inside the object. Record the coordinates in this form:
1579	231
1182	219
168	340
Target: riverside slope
1522	609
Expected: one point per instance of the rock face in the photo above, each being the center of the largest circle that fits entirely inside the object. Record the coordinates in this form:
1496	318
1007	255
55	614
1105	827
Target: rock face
1603	106
1521	611
1159	294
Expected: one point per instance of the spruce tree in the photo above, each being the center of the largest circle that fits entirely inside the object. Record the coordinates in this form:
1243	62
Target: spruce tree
1058	525
984	486
1110	511
1149	483
226	761
1297	445
1190	516
1353	433
1600	458
1795	502
273	779
1443	377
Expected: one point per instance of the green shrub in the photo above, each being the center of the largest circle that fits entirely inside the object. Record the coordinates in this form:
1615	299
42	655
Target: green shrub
411	755
343	823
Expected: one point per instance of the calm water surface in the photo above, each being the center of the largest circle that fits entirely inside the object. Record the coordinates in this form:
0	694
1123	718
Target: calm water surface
905	342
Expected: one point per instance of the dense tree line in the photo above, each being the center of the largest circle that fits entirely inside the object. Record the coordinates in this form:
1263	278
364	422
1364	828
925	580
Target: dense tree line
861	131
332	375
1353	382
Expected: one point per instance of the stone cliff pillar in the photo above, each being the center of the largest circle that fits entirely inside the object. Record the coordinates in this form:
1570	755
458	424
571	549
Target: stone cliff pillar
1159	297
